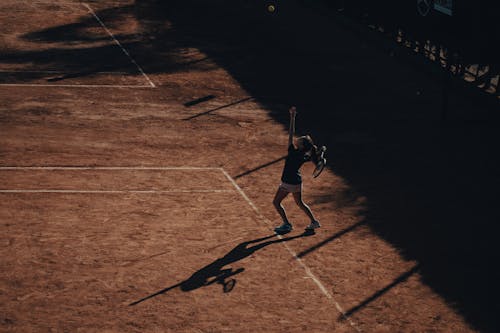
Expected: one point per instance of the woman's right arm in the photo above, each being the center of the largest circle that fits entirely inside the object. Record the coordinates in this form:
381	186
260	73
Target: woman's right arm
291	128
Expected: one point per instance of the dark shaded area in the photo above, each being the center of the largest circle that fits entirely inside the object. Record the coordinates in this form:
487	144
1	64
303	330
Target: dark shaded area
215	271
79	62
76	32
472	30
431	189
469	36
73	75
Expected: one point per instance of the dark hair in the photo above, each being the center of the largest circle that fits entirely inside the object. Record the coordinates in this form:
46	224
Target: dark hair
307	142
310	146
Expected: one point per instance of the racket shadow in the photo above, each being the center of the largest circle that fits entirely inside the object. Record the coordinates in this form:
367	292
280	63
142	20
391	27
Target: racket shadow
215	271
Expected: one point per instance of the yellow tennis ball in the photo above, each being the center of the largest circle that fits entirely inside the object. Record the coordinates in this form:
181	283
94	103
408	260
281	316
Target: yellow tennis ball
271	8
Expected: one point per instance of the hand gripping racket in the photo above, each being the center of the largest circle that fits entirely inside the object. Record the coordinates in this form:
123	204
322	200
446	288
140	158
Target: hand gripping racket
321	161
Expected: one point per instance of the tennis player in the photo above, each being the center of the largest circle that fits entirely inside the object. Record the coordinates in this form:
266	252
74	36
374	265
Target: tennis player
303	150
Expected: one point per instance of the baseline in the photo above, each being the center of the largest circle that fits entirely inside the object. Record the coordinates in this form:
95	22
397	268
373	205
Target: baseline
73	85
55	72
103	168
115	191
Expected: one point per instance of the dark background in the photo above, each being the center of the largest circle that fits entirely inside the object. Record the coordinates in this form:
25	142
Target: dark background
473	30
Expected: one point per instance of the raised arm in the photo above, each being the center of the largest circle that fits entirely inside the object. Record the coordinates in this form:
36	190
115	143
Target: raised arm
291	128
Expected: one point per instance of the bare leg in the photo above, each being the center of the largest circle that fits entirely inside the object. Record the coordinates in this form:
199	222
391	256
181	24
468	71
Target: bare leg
280	195
298	200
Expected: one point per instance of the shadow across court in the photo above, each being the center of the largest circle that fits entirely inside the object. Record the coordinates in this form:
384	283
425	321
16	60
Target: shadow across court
430	189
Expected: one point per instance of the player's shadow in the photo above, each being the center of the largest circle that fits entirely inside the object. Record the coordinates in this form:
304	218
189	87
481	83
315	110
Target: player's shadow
215	271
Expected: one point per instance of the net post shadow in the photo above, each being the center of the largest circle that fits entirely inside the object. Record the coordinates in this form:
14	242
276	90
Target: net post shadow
265	165
199	100
402	278
218	108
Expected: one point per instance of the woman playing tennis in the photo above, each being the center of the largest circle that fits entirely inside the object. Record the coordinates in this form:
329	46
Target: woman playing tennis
303	150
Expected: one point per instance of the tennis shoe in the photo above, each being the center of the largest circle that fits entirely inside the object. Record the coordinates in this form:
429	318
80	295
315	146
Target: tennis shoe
313	225
284	228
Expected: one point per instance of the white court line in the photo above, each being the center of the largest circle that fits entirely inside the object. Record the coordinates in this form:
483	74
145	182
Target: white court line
308	271
102	168
110	168
119	44
115	191
55	72
72	85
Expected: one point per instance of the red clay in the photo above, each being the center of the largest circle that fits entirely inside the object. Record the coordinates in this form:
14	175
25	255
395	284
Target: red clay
75	262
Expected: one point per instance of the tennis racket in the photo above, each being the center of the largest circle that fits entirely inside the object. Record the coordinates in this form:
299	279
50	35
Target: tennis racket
321	162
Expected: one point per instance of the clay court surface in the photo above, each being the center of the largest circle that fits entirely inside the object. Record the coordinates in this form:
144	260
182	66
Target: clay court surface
136	181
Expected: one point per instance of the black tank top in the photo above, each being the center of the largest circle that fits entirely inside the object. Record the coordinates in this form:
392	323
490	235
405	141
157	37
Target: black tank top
294	160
